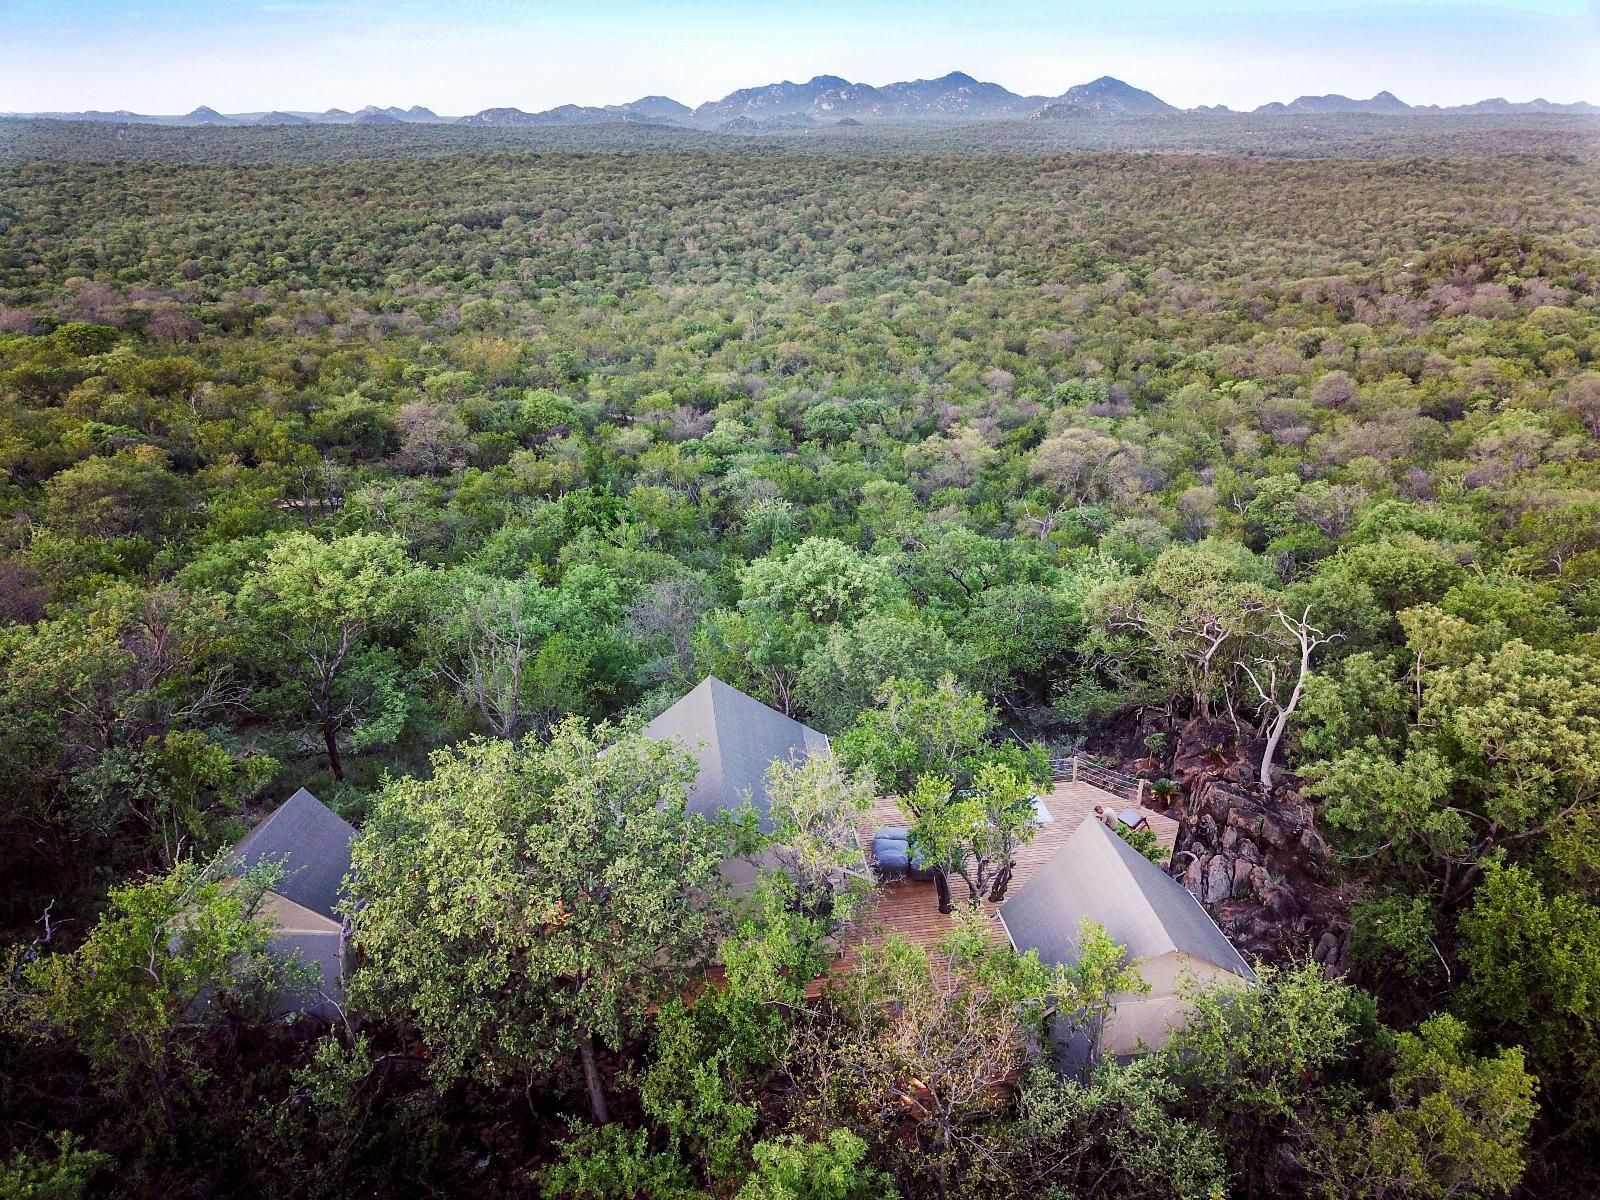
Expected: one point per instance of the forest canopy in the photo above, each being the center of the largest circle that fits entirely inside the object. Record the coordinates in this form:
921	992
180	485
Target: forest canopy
423	480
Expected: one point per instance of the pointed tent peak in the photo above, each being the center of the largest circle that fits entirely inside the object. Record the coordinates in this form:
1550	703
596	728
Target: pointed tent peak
1097	875
716	702
311	843
735	738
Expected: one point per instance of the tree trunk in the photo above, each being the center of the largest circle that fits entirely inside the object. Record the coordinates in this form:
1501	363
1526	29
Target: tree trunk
330	739
169	1112
591	1077
1271	751
942	882
1002	881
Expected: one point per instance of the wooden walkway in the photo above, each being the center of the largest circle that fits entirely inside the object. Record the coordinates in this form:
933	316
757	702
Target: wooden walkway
911	909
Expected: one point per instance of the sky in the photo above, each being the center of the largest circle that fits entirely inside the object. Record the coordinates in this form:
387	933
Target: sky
168	56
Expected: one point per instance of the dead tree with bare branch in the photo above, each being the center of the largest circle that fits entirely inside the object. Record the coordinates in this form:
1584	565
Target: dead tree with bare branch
1264	675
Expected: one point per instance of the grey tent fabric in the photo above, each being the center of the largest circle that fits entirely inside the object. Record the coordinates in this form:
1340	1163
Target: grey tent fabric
311	843
1099	876
323	953
735	738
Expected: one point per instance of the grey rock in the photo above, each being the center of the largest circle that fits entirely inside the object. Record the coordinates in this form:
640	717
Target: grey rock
1241	876
1219	880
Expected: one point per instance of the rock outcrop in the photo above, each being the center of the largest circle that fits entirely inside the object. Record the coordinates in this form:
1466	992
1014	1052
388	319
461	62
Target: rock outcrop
1258	863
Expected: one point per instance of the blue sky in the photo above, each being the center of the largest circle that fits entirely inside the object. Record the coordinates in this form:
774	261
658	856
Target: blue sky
165	56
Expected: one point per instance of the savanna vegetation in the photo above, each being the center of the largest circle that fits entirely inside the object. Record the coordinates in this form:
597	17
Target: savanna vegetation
420	482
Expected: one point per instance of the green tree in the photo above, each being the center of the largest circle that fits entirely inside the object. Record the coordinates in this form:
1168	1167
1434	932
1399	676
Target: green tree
118	716
528	899
1194	610
1504	748
919	730
1452	1125
925	1040
1251	1061
790	1168
1016	636
974	833
66	1178
320	611
821	581
170	959
842	677
130	493
757	653
1112	1136
713	1058
816	807
515	651
616	1163
1533	962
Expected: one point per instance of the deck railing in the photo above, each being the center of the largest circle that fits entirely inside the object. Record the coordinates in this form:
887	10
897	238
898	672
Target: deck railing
1082	769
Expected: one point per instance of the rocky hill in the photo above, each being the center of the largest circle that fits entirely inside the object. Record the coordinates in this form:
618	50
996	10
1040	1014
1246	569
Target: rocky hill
955	95
1105	97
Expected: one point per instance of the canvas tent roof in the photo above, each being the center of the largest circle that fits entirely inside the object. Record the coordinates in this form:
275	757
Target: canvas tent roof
735	738
322	951
1098	875
311	842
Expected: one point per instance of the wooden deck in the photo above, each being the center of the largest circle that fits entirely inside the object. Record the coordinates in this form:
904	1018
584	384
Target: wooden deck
911	909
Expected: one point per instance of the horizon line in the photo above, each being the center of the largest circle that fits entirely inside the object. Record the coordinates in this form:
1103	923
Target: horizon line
693	107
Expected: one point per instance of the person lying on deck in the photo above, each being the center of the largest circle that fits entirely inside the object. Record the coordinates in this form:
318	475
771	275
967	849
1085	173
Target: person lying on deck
1132	818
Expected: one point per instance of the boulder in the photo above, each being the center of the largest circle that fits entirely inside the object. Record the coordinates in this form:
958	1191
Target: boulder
1314	844
1219	880
1242	867
1246	820
1274	834
1281	903
1257	861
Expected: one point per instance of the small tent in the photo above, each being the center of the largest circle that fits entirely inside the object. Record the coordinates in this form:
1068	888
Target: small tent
734	738
310	844
1168	935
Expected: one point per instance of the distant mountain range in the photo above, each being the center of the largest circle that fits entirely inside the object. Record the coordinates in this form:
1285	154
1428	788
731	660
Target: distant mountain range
832	99
651	109
205	115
